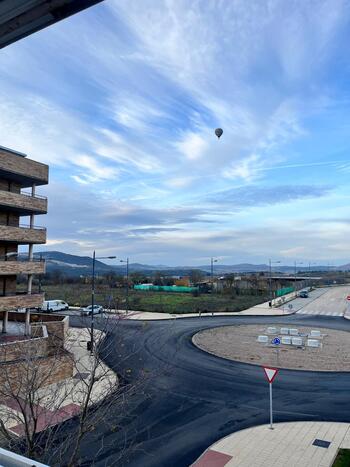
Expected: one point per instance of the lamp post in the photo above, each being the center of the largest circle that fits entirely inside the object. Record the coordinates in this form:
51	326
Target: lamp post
270	278
127	285
212	261
295	276
91	343
310	264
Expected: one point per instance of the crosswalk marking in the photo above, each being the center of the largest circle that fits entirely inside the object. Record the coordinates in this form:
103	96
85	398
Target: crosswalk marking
320	313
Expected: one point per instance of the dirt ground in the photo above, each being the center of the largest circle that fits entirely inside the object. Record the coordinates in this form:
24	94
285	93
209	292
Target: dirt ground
240	343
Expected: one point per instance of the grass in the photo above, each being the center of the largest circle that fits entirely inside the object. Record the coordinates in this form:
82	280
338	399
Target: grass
342	459
166	302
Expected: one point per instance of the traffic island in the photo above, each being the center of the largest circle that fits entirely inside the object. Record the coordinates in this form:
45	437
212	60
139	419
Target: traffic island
297	348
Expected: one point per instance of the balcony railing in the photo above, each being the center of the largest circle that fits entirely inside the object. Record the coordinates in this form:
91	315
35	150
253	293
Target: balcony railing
22	226
28	193
21	257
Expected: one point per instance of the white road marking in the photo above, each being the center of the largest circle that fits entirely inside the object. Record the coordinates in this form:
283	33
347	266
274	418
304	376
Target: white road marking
319	313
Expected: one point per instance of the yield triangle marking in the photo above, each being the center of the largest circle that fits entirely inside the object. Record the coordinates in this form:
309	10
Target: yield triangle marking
270	373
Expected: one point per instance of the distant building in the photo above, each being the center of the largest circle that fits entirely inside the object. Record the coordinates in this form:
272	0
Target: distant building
183	281
17	175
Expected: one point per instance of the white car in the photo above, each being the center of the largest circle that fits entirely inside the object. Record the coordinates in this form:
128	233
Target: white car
54	305
88	310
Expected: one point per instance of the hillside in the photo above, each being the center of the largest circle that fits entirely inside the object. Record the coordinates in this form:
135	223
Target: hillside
74	265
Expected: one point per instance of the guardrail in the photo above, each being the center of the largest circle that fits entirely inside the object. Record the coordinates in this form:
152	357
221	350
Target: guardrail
10	459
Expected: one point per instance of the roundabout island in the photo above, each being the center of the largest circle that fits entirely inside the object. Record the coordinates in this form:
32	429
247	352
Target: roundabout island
296	348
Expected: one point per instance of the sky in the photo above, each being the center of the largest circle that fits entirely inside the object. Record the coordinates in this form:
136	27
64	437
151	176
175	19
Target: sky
122	101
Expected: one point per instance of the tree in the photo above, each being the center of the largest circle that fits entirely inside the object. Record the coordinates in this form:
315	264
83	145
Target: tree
158	278
138	277
34	402
196	275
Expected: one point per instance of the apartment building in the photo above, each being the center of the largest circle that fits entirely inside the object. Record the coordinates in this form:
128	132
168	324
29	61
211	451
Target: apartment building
19	205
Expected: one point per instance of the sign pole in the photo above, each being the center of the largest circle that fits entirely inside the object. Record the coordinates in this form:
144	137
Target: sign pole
271	416
270	374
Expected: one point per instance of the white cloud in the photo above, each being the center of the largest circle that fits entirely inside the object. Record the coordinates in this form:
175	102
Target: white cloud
193	146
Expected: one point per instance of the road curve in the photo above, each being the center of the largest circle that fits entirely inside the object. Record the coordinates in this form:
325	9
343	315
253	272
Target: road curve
193	398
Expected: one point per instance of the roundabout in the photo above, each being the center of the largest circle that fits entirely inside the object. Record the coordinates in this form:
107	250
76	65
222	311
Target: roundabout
194	398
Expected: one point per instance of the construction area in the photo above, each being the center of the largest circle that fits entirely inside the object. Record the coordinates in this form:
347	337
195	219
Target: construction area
278	345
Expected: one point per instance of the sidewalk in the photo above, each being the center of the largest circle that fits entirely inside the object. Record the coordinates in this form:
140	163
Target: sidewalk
287	445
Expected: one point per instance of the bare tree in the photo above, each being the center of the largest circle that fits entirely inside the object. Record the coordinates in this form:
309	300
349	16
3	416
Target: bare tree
33	402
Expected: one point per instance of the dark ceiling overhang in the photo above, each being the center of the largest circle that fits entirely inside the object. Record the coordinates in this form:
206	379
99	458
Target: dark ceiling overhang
20	18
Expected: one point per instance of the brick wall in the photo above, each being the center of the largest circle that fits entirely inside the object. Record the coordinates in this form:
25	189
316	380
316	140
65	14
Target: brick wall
20	350
17	200
22	165
11	303
22	235
21	267
40	372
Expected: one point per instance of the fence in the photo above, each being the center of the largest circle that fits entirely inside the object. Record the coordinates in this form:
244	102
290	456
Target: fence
166	288
284	291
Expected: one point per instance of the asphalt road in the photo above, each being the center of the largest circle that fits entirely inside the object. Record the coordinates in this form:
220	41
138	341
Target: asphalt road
193	399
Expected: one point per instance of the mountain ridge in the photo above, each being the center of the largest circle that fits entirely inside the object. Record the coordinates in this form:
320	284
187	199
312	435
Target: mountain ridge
81	265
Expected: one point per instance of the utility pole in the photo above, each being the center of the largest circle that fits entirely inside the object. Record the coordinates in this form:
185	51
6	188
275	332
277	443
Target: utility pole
91	343
270	279
270	282
295	277
127	285
92	303
212	261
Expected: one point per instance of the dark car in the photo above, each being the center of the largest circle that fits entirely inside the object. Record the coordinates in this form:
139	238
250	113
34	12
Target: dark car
304	294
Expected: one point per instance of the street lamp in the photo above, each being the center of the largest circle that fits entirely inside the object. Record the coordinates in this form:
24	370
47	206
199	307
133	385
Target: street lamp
91	343
127	285
212	261
310	264
295	276
270	278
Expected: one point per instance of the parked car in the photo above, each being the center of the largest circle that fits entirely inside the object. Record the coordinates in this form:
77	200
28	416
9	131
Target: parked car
304	294
88	310
54	305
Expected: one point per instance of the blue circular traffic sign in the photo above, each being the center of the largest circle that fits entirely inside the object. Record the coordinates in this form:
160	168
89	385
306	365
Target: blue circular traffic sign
276	341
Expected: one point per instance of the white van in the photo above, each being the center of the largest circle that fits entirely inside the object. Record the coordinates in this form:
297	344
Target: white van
54	305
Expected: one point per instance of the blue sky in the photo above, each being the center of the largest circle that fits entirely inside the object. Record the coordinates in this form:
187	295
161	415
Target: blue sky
122	101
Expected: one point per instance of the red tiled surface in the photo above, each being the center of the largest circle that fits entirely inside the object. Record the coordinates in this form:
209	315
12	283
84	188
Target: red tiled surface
213	459
46	418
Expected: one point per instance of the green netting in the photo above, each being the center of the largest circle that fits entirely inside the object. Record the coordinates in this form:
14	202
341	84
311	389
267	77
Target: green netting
166	288
284	291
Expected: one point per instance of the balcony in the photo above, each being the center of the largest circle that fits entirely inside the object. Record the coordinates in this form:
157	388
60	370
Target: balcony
18	168
10	267
23	203
13	302
22	234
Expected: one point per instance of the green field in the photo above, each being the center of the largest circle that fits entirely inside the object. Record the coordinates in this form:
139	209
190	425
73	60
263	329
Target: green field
342	459
166	302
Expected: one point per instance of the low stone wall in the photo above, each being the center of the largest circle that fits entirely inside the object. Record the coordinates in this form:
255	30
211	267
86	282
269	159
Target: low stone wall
41	358
32	374
23	349
56	325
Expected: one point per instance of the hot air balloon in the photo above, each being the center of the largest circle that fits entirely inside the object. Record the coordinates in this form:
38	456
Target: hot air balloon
218	132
